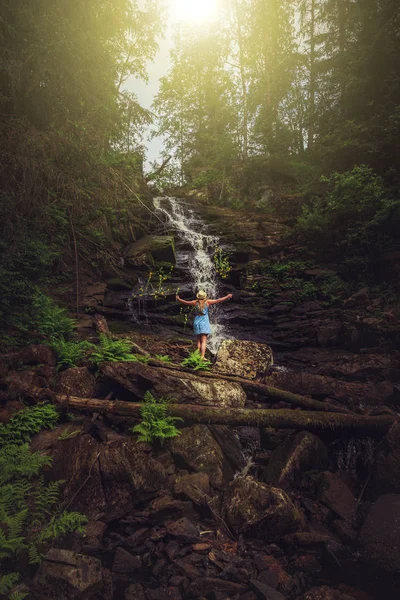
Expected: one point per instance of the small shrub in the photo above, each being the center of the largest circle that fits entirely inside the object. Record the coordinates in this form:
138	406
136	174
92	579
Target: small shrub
196	362
25	423
221	262
155	424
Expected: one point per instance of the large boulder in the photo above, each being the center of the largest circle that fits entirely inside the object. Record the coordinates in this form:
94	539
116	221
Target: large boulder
386	471
121	476
197	449
249	506
160	247
178	386
304	452
77	381
379	537
334	493
243	359
67	576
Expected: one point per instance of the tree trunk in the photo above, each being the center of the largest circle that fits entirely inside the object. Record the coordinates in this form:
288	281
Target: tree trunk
277	419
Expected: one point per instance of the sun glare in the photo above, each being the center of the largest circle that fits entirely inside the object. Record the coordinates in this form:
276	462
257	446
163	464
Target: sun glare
194	10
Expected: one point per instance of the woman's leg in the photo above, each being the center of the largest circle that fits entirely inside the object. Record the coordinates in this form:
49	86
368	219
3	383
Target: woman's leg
199	343
203	344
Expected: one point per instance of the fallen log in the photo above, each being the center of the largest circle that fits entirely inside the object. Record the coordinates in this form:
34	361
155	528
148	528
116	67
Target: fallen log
277	419
266	391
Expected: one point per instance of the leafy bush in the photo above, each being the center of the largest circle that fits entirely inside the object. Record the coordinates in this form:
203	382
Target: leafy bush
196	362
155	424
221	262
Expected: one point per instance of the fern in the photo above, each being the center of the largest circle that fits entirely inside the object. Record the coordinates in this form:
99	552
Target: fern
112	351
45	497
72	353
18	595
25	423
19	461
59	526
155	424
8	581
163	358
196	362
50	319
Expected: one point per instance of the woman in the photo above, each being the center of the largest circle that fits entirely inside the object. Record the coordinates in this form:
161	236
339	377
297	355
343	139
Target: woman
201	325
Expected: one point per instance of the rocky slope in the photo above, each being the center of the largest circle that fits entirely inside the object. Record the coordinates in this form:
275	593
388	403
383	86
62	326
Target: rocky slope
228	512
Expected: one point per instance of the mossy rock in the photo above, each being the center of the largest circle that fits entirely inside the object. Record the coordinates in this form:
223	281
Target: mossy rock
160	247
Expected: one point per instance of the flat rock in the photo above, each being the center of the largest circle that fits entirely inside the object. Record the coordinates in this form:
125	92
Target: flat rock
195	486
160	247
125	562
304	452
379	537
183	530
265	592
67	575
259	509
334	493
243	359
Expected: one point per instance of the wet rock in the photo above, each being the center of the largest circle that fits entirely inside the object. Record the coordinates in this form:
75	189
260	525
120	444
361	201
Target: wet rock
195	486
305	452
77	381
207	585
273	575
344	530
179	386
120	475
325	593
135	592
334	493
125	562
243	359
160	247
386	471
117	284
67	576
197	450
229	443
183	530
379	537
265	592
36	354
262	510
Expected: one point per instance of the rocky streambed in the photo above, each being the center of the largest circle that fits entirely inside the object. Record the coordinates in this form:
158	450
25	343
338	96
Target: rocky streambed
306	512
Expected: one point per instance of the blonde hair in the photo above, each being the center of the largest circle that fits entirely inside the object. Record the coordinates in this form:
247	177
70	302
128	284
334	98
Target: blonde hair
202	299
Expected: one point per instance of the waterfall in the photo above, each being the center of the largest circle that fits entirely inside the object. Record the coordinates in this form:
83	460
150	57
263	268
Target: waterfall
195	249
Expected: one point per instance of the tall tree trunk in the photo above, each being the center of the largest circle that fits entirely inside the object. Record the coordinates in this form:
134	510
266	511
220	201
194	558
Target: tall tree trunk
312	88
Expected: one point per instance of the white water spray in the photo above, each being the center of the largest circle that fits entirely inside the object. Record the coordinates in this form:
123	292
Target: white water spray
196	257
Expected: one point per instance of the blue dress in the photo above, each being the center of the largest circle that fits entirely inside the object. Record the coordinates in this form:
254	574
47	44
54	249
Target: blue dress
201	324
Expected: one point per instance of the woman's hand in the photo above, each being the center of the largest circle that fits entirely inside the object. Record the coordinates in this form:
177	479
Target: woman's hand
230	296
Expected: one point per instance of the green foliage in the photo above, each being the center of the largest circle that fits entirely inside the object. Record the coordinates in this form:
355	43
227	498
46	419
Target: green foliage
28	506
51	320
163	358
25	423
221	262
111	350
72	353
196	362
156	424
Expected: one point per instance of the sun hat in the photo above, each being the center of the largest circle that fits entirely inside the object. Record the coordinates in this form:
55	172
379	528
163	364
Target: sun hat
201	295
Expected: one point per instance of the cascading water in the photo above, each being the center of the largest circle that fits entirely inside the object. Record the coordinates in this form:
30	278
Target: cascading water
195	249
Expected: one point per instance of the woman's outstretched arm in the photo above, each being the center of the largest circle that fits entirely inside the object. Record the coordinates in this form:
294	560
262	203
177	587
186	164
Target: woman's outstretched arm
188	302
228	297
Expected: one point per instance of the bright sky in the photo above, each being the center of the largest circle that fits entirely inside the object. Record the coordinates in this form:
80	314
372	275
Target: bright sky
179	11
